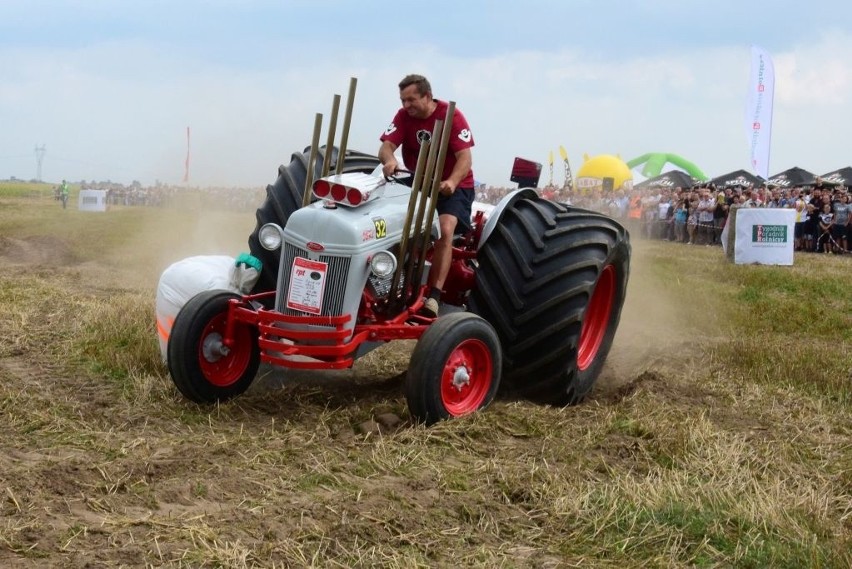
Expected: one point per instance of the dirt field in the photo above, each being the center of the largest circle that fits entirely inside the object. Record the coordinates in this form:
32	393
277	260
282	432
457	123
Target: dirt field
674	461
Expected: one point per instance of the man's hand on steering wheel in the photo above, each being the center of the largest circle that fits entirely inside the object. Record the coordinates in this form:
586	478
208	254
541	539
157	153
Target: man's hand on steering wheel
393	176
389	168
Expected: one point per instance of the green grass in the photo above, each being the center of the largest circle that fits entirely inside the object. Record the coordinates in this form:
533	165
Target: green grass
723	437
37	190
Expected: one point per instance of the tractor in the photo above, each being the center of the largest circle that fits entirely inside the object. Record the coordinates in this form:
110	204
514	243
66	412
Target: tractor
532	300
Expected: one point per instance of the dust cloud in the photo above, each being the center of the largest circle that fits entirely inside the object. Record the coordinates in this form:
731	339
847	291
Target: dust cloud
176	233
652	334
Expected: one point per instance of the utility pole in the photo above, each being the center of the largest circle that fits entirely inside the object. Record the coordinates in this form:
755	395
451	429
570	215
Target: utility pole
40	151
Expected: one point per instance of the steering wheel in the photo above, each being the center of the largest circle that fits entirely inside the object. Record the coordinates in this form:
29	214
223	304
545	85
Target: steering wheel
394	177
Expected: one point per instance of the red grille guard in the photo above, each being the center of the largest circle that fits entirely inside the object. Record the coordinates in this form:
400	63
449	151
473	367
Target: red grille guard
333	348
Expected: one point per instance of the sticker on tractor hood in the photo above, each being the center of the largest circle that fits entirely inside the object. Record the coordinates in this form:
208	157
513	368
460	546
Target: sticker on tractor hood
381	227
307	284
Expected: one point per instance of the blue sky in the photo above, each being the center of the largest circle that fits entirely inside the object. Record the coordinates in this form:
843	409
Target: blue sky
109	87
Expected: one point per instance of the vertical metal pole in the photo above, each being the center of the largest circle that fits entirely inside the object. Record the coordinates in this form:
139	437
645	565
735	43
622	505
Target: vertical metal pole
312	161
332	127
347	119
421	233
436	183
412	203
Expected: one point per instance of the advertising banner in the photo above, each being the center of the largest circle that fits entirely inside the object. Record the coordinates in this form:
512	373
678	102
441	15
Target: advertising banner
764	236
92	200
759	110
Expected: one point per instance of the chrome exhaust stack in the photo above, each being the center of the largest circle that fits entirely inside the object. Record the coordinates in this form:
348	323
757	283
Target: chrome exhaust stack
326	165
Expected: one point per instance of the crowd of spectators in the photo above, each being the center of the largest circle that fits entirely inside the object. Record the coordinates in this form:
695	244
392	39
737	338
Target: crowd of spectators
165	195
697	215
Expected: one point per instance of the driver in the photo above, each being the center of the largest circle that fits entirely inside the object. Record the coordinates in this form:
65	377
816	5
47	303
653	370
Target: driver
413	124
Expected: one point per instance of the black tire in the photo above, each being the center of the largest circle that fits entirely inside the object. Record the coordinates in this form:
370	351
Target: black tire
285	196
460	346
202	376
546	271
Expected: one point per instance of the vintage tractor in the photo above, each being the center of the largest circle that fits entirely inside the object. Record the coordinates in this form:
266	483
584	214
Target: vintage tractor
533	297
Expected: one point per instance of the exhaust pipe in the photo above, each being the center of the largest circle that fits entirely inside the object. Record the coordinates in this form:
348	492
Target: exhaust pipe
436	185
312	160
347	120
332	127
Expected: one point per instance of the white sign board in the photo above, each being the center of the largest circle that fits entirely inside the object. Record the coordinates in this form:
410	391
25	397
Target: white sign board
307	283
764	236
92	200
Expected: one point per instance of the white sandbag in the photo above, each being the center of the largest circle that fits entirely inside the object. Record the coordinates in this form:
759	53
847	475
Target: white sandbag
183	280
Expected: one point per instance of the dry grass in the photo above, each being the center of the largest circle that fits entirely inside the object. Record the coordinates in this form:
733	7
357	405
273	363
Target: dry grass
717	437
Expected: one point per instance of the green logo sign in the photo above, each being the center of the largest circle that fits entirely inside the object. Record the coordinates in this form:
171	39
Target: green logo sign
769	234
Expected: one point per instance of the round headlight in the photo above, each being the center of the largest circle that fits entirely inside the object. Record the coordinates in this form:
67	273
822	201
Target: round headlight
383	264
269	237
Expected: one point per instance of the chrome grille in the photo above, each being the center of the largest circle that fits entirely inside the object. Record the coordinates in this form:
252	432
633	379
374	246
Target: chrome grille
335	282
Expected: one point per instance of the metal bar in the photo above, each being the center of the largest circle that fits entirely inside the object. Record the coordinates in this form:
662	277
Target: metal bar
412	204
332	127
312	161
421	233
347	120
436	182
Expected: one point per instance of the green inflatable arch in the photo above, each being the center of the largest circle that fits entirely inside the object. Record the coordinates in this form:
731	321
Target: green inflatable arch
655	161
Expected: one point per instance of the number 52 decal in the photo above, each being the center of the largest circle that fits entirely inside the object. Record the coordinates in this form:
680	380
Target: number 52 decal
381	227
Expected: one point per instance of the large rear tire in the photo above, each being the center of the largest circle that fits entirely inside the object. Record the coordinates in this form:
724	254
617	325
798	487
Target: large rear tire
285	196
552	281
200	366
454	368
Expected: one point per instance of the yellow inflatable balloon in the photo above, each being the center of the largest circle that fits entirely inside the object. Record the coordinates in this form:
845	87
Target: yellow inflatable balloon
603	172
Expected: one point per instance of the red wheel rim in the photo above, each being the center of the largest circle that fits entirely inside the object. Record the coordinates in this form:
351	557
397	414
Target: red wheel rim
466	378
596	319
223	370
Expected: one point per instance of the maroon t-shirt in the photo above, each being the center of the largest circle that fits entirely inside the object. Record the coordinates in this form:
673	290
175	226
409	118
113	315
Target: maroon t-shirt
407	131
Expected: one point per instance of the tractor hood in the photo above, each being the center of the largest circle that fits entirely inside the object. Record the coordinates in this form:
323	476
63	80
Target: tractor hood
336	229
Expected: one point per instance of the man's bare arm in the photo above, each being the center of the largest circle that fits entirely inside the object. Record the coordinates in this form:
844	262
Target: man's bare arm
387	158
464	162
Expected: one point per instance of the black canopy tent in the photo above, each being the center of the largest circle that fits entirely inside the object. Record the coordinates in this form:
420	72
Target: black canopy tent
795	176
741	178
671	179
842	177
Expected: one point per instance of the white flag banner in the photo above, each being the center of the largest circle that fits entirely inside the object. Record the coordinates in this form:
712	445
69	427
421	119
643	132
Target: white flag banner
759	110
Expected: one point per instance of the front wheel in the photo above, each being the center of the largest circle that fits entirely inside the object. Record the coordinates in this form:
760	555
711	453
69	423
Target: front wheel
455	368
201	366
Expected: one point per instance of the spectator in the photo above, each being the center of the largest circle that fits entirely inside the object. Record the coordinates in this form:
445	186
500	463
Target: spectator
664	219
692	217
720	215
840	223
634	212
811	226
680	215
801	207
706	206
825	221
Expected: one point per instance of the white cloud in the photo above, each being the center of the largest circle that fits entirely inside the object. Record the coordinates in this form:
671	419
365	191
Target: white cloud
119	110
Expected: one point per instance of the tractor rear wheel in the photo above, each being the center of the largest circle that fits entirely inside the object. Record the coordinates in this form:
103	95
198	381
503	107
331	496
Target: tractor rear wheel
454	368
285	196
202	368
552	281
